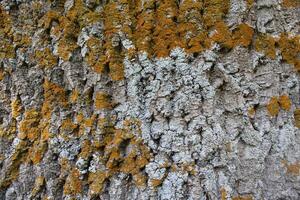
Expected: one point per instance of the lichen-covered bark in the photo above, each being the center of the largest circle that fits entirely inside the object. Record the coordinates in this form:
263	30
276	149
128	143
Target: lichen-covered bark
149	99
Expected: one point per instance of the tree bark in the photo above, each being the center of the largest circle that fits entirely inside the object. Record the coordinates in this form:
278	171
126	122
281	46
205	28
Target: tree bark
149	99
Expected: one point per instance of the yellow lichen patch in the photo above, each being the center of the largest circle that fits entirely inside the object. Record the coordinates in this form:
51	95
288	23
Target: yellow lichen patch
45	58
139	179
273	107
2	74
65	48
67	126
165	35
290	3
249	3
85	149
116	70
38	184
16	107
245	197
266	44
198	43
48	18
222	35
243	35
53	95
190	168
45	132
95	56
251	111
29	125
144	25
123	152
79	118
214	11
15	160
290	48
285	102
185	167
66	30
74	96
223	194
156	182
36	152
10	131
22	40
292	168
73	183
102	101
96	181
6	35
190	27
297	117
114	51
64	165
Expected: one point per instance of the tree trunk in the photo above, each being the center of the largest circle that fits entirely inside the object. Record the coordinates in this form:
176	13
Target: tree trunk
149	99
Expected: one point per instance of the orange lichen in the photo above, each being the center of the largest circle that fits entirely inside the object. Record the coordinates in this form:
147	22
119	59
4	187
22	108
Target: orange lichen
22	40
16	107
6	35
155	27
74	96
297	117
67	30
29	125
156	182
96	181
95	56
273	107
250	3
48	18
2	74
293	168
123	152
85	149
214	11
67	126
251	111
73	183
10	131
113	21
290	3
243	35
38	184
164	35
45	58
144	26
266	44
54	95
245	197
223	35
102	101
15	160
36	152
285	102
45	135
290	48
223	194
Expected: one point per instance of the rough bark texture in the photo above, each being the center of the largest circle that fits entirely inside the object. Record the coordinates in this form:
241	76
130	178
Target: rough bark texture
149	99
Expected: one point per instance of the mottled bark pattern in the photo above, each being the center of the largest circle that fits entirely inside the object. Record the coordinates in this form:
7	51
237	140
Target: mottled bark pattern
150	99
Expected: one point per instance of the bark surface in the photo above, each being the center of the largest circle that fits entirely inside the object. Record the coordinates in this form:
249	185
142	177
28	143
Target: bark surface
149	99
